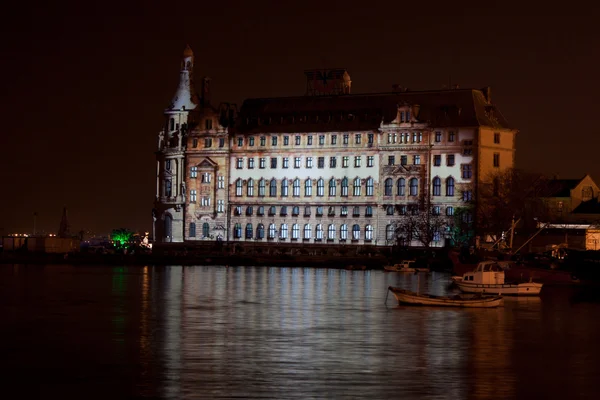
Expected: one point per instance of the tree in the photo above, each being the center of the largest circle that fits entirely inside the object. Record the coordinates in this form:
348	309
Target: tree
121	238
424	226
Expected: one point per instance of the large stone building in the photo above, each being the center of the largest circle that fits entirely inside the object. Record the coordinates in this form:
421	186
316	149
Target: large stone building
328	167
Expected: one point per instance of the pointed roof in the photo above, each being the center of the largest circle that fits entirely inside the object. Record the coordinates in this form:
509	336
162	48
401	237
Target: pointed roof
188	51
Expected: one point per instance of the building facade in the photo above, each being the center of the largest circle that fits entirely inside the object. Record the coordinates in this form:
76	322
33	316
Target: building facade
328	167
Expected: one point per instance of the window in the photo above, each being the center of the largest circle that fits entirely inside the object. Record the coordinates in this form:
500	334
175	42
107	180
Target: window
357	187
437	160
193	196
249	231
193	172
272	231
262	163
168	188
436	236
414	186
283	231
496	137
220	206
285	162
390	232
284	187
295	211
194	143
307	211
249	211
297	140
438	137
389	210
321	140
451	136
332	162
296	187
345	139
496	160
345	161
450	160
309	140
240	141
467	195
387	191
332	187
416	160
250	188
345	187
370	138
261	187
309	162
286	140
333	139
308	188
273	188
391	160
263	141
192	229
273	140
261	211
401	187
208	142
283	211
251	141
237	231
437	186
168	165
450	186
260	231
221	142
238	187
205	201
319	232
435	210
344	211
357	138
319	211
368	211
331	231
297	162
273	162
344	232
307	231
239	163
403	160
321	162
237	211
370	186
206	177
369	232
355	232
295	231
391	138
417	137
331	211
402	210
221	182
320	187
467	171
357	161
251	163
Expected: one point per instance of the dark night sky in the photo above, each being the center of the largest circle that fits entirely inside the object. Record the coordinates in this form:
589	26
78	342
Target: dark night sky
83	89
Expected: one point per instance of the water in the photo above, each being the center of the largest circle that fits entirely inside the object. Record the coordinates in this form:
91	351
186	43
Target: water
77	332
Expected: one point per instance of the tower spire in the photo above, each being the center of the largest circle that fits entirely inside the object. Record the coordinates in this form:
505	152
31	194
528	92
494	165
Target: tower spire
185	97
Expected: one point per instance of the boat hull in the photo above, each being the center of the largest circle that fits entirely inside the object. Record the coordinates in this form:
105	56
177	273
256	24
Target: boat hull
505	289
414	299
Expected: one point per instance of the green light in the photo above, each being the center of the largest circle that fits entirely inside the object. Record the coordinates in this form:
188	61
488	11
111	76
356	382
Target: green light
121	238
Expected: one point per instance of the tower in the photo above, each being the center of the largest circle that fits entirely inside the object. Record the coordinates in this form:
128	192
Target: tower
170	157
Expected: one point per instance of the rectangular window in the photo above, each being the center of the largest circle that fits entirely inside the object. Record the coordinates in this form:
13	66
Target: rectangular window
332	162
345	161
435	210
344	211
497	138
286	162
263	141
496	160
273	140
357	138
193	195
286	140
321	140
333	139
403	160
251	141
206	202
416	160
450	160
251	163
239	163
321	162
240	141
370	161
357	160
220	206
391	160
297	140
273	162
221	182
208	124
437	160
438	137
194	143
222	142
345	139
297	162
467	195
309	140
262	162
207	142
451	136
467	171
193	172
168	165
206	177
309	162
370	138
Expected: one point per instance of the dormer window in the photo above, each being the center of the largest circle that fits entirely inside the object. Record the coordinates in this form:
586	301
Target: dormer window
208	124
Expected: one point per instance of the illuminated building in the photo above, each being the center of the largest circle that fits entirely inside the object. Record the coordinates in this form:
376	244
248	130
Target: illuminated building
329	167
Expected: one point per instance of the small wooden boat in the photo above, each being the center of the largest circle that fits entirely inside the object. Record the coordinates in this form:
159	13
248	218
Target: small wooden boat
405	266
459	300
488	278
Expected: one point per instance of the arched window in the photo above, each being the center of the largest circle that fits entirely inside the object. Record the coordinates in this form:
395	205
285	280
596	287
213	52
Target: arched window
401	187
345	187
357	186
344	232
308	187
355	232
414	186
272	211
307	211
205	230
261	187
450	186
389	210
390	232
192	229
307	231
319	232
332	187
237	231
250	188
295	231
238	187
272	231
249	231
168	227
273	188
296	187
437	186
369	232
284	187
331	231
249	210
260	231
283	231
295	211
368	211
388	187
370	186
320	187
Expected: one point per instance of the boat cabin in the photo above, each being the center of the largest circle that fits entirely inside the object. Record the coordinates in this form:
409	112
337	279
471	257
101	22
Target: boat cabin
487	273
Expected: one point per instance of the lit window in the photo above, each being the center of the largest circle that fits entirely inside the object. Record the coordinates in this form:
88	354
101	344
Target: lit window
297	162
388	187
369	232
220	206
296	187
450	186
283	231
345	187
344	232
295	231
438	137
273	140
308	188
320	187
414	187
307	231
284	187
355	232
250	188
357	187
319	232
345	160
357	161
331	231
370	161
332	187
309	162
193	196
263	141
309	140
401	187
262	162
273	188
238	187
261	187
437	186
285	162
193	172
221	182
370	186
416	160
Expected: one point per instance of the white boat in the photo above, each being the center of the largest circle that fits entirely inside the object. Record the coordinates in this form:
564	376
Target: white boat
459	300
405	266
488	278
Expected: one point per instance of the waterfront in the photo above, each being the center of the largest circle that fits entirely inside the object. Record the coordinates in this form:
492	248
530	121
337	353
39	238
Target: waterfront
176	332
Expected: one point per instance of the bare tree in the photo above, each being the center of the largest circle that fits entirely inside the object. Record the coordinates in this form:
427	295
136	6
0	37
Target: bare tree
424	226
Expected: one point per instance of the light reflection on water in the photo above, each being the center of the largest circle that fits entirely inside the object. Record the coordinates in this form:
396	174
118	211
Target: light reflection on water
263	332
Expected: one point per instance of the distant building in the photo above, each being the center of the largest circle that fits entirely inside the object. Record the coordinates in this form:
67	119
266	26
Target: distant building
329	167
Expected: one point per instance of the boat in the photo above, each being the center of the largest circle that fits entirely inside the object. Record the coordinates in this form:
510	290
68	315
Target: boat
460	300
405	266
488	278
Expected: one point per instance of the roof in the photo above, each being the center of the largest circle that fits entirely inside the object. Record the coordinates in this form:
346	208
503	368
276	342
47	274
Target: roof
351	112
561	187
588	207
